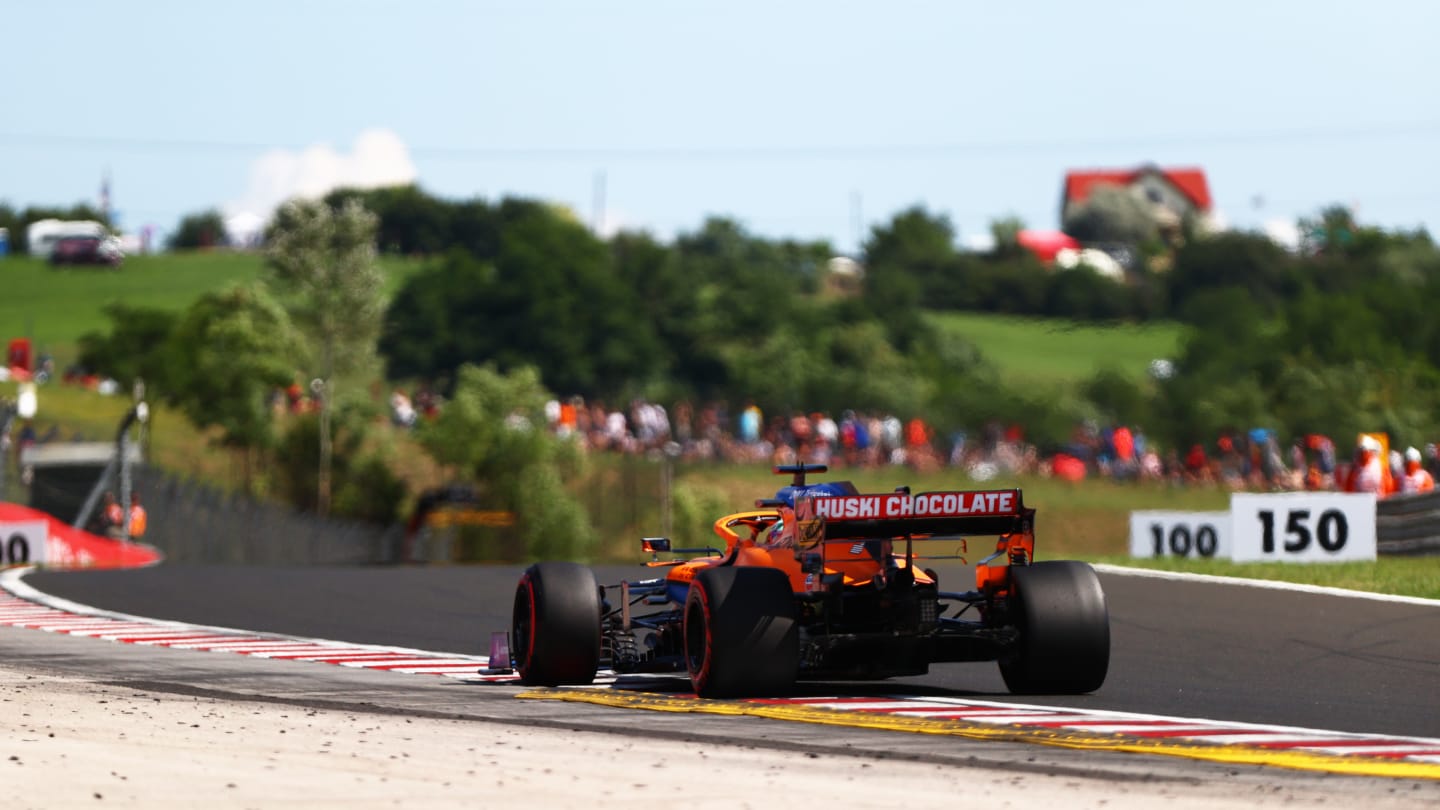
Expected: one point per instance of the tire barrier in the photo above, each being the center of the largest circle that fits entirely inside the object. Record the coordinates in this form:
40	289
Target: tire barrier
1408	524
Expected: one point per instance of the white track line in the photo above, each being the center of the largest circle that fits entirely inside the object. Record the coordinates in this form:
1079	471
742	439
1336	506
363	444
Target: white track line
1127	571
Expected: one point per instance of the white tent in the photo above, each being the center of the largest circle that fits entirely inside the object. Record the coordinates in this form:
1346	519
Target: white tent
244	229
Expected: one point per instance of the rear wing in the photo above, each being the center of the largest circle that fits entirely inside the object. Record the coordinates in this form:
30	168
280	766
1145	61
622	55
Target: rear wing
900	514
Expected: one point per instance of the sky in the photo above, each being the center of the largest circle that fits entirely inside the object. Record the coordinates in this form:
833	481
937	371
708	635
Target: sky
804	120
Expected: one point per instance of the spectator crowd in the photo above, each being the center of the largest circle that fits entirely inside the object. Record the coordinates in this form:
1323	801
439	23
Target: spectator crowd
1255	460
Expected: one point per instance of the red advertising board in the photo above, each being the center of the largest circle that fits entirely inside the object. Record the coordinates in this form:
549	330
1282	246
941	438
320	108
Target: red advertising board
63	545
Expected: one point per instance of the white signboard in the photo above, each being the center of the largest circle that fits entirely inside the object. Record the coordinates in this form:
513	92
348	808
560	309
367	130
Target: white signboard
1180	534
1303	526
23	542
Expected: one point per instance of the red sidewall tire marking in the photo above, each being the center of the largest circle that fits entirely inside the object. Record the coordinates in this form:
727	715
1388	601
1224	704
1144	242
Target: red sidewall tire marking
701	677
529	585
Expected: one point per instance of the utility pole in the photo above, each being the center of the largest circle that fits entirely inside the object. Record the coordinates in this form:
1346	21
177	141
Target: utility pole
857	219
8	410
105	198
599	213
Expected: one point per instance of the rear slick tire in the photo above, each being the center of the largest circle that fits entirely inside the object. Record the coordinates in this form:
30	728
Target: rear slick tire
555	626
742	635
1064	630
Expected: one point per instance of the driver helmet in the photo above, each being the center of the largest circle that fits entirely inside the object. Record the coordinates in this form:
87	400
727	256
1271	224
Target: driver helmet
778	529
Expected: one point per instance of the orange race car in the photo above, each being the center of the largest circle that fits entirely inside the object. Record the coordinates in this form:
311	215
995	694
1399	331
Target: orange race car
821	582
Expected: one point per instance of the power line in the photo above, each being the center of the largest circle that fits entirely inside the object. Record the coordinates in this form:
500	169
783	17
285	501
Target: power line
766	152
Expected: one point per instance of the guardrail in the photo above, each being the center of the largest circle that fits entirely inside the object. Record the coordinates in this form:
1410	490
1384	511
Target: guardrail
1408	524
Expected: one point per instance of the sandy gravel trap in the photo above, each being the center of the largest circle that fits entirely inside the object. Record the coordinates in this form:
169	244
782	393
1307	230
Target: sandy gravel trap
75	743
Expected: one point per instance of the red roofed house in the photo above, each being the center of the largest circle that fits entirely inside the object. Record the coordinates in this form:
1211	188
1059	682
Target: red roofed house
1174	193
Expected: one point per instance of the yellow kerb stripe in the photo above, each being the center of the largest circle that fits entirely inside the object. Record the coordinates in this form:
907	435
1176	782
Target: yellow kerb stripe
1065	738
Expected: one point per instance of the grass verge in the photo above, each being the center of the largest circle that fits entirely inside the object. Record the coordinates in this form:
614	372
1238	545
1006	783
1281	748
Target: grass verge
1401	576
1091	521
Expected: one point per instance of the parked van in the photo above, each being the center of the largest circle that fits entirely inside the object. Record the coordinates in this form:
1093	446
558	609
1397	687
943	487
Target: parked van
42	234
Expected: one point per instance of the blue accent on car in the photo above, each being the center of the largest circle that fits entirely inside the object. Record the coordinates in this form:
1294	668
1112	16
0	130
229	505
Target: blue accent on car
828	489
677	592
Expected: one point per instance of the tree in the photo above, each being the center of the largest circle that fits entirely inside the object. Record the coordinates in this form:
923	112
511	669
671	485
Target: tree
1017	286
136	348
1083	294
557	303
1120	398
905	257
200	230
1005	232
411	222
906	262
230	351
10	221
551	299
1333	232
914	239
741	290
1112	214
493	430
322	262
1250	262
434	324
669	304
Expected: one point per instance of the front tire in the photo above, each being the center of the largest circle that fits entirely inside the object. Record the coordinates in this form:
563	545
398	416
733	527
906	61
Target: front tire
555	625
742	635
1064	624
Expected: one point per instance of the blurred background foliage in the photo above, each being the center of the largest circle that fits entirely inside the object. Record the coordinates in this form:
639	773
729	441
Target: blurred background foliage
500	306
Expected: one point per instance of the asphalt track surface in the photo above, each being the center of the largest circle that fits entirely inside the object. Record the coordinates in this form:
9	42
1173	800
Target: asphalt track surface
1185	649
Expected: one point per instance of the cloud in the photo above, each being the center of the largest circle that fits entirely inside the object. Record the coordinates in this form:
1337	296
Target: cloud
377	158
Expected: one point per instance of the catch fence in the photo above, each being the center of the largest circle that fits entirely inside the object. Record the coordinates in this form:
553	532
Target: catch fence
194	522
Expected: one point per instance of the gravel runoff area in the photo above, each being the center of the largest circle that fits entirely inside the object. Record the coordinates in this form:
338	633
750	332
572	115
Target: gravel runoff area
71	742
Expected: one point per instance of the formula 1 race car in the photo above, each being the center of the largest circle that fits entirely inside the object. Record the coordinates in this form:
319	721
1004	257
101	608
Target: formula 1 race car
821	582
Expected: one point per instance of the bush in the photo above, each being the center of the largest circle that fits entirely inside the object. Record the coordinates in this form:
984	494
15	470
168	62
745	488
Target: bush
693	512
369	491
553	525
1084	295
205	229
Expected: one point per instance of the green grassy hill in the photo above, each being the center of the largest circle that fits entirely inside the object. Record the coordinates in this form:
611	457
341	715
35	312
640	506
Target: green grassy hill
1037	351
54	307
